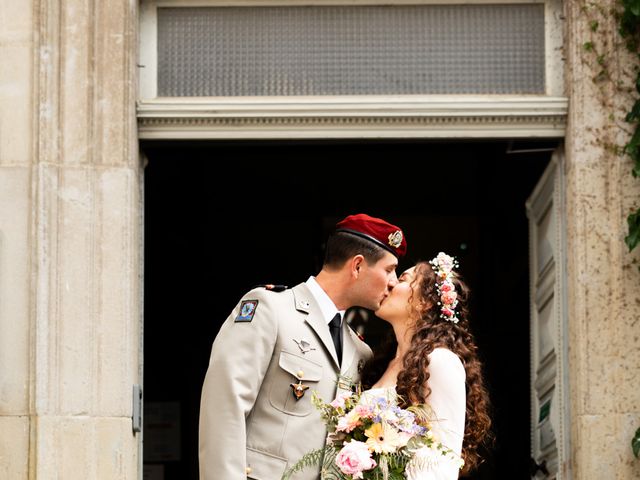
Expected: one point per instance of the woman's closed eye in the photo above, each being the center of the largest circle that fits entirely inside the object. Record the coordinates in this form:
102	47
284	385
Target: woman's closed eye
405	277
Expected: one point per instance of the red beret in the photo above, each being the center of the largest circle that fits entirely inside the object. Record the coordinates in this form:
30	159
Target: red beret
376	230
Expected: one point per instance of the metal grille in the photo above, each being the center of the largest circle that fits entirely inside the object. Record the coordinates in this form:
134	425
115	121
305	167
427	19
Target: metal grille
351	50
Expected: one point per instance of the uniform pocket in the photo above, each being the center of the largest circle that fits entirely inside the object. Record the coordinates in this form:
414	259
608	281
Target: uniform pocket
264	466
294	369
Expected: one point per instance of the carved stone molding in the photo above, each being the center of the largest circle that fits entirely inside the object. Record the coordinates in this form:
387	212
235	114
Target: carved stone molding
343	118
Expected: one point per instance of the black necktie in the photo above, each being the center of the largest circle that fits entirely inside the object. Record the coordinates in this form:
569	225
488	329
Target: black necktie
336	333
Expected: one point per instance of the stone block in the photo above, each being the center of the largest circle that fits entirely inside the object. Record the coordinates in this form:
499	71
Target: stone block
14	447
15	317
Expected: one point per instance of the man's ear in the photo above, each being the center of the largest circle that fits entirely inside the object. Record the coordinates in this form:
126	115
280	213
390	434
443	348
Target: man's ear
356	264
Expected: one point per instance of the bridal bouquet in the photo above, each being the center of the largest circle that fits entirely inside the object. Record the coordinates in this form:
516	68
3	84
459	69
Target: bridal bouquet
371	438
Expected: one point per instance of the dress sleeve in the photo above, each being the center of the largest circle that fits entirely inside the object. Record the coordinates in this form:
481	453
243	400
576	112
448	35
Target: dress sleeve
448	402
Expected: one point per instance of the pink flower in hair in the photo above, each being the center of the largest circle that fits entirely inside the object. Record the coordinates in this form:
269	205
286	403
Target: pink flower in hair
447	287
449	298
443	266
445	261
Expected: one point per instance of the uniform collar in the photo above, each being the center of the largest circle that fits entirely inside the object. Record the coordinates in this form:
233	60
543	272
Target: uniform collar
327	307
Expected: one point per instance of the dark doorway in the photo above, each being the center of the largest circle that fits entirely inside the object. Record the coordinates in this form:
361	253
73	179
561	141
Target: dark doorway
204	249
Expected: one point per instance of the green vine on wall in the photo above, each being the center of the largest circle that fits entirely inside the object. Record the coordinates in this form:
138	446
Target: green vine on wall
599	49
629	28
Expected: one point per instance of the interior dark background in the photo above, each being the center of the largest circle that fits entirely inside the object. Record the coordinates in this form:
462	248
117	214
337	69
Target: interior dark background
222	217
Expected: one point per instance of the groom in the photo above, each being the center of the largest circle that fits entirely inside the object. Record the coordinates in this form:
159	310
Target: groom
279	345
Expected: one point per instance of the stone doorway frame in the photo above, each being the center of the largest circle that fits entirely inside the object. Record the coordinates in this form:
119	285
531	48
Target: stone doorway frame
452	117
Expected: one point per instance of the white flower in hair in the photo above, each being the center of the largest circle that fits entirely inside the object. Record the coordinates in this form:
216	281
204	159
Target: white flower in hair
443	266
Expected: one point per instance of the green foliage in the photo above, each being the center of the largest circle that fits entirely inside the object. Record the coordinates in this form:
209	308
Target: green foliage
393	467
325	457
635	444
634	114
397	465
329	470
633	238
629	28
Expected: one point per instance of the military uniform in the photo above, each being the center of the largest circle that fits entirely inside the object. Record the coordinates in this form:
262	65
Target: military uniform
251	423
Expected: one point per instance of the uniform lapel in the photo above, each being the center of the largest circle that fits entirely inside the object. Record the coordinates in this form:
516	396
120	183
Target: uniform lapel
305	302
348	347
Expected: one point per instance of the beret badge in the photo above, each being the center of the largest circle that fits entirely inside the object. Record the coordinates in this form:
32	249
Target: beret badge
395	239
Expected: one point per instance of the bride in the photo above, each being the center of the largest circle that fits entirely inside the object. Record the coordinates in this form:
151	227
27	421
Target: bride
433	361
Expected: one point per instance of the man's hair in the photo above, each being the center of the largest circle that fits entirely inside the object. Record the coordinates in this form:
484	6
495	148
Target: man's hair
341	246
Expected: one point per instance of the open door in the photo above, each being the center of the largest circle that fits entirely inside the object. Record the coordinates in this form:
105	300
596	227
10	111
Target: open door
204	250
548	327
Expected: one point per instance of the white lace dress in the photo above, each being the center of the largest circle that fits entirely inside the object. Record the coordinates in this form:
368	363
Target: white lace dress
448	402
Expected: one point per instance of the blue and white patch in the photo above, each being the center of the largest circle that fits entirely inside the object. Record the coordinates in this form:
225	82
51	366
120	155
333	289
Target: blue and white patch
247	310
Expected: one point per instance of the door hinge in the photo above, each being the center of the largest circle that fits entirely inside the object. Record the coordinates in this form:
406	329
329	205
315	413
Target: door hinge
136	416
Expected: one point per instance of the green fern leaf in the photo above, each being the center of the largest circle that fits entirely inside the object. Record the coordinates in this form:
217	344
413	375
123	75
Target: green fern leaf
314	457
329	470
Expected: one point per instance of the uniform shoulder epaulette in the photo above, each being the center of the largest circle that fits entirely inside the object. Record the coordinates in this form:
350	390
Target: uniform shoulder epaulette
273	287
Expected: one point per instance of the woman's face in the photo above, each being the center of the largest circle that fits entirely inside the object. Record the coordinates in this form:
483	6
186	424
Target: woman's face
397	306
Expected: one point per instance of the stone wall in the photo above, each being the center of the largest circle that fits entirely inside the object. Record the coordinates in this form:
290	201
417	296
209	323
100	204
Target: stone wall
603	277
70	239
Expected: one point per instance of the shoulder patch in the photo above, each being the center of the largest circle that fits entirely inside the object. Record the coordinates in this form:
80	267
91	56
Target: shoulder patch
247	311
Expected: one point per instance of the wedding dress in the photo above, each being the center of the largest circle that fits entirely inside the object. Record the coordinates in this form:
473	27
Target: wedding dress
448	403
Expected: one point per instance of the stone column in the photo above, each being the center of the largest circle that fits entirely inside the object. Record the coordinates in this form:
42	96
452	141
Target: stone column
603	277
16	154
70	240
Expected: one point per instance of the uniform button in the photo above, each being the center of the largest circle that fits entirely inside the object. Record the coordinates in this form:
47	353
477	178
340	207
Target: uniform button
300	374
248	470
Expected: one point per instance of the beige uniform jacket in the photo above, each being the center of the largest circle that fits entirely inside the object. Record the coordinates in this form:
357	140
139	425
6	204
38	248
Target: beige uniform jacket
251	425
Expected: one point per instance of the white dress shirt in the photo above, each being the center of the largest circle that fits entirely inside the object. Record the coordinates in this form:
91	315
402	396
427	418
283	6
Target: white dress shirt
327	307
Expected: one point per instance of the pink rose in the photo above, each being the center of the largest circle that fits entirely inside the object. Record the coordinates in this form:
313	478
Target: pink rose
354	458
339	400
448	298
447	311
447	287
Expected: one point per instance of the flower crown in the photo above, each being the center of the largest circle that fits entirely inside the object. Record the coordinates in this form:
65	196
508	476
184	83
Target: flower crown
443	266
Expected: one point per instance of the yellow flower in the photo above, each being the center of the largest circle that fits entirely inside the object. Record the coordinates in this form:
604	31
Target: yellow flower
382	440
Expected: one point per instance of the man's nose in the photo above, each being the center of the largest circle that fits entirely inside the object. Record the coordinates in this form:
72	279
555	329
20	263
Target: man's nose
393	281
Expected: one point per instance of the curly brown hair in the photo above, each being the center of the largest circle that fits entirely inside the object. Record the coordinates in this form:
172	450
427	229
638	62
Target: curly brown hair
431	332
